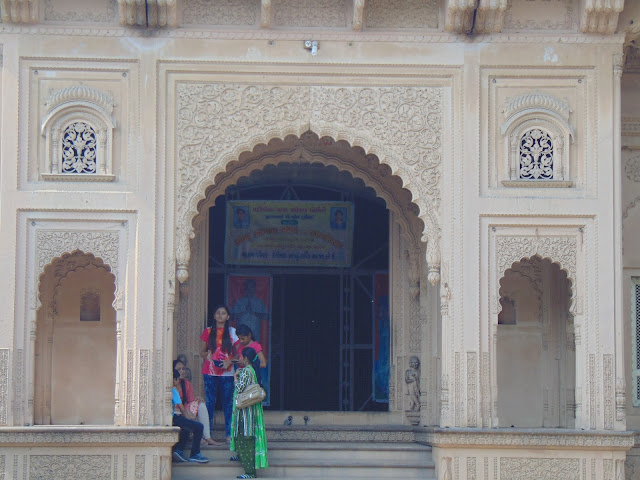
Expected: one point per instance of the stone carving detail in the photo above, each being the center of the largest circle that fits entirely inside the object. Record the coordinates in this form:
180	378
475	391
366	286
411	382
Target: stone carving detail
459	16
536	101
536	155
79	148
46	467
150	13
608	393
403	125
51	244
630	126
472	385
76	146
310	13
96	11
412	379
632	467
632	168
129	379
143	392
512	468
549	15
358	15
220	12
471	468
139	469
4	385
19	11
401	14
490	16
620	399
600	16
607	469
18	378
560	250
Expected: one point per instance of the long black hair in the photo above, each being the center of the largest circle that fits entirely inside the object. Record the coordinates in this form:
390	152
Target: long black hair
254	361
184	389
227	345
245	331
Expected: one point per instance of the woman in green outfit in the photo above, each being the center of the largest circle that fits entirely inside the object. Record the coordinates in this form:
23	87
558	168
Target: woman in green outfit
248	438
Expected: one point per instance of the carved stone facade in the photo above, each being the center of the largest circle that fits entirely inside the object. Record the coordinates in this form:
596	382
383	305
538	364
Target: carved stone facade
506	175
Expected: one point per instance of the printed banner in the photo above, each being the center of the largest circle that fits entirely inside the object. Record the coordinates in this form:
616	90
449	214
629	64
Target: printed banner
249	301
291	233
381	336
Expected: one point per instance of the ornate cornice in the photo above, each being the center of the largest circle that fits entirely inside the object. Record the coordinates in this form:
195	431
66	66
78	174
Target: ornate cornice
527	438
345	36
79	435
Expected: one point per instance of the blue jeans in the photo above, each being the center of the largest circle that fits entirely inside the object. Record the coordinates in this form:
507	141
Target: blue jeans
211	385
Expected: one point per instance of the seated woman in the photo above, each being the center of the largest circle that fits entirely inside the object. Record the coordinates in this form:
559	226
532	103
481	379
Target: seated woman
248	437
186	427
195	408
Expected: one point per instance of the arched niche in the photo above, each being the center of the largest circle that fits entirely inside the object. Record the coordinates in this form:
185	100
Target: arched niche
535	347
75	344
353	164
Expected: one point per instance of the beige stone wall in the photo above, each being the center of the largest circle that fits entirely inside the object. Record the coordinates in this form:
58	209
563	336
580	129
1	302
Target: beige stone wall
178	93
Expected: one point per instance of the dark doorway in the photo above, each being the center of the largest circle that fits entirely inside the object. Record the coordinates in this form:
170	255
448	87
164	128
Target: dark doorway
322	319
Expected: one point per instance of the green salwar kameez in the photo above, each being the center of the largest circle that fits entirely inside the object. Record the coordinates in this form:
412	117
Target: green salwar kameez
248	437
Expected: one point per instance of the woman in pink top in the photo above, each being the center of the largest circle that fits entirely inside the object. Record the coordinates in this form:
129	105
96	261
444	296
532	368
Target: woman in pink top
218	353
245	339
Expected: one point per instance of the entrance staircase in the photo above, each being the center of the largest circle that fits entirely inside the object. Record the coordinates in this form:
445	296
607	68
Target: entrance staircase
346	452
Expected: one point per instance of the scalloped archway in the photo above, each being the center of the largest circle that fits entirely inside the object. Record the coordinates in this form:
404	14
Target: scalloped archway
216	123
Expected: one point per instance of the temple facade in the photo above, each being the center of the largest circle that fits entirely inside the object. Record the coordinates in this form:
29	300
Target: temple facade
501	136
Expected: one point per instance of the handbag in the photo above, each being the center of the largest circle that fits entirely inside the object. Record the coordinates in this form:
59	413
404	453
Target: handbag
251	395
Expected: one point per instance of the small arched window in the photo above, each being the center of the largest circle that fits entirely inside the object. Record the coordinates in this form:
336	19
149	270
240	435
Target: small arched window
536	132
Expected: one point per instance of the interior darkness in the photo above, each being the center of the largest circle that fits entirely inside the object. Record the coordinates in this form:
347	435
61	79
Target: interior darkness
309	304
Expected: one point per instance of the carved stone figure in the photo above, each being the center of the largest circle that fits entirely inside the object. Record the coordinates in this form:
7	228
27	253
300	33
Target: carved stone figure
412	379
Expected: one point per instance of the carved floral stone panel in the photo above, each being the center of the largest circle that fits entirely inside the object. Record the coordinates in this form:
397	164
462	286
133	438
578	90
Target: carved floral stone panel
540	15
310	13
51	244
220	12
80	11
217	122
401	14
632	168
512	468
61	467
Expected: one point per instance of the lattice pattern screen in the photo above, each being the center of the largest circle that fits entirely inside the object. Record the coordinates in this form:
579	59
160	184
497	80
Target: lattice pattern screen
635	327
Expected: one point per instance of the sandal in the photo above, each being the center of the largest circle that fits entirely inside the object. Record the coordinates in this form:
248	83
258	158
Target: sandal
235	458
246	475
211	441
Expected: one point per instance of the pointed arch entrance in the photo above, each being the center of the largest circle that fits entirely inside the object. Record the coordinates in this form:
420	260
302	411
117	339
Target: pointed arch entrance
350	169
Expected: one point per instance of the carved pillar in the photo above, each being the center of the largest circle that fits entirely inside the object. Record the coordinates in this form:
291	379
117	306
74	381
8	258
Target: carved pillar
619	375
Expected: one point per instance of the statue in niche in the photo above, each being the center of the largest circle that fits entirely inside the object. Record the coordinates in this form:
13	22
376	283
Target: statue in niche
412	379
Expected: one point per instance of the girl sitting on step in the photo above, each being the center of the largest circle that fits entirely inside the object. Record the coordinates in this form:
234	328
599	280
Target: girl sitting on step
248	437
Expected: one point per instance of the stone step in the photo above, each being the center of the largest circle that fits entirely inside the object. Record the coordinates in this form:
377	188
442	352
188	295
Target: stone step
369	460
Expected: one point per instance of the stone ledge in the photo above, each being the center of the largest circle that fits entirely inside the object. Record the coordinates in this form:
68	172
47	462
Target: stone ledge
527	438
87	436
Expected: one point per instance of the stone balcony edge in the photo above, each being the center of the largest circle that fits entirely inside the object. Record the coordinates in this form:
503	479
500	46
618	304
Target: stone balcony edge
98	436
523	438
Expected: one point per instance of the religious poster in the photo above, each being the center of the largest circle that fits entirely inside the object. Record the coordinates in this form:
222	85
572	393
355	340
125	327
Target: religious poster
249	301
290	233
381	337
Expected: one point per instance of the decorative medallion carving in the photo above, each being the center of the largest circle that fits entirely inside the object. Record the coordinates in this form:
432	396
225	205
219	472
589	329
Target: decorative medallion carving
96	11
47	467
220	12
217	122
310	13
540	15
513	468
401	14
632	168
